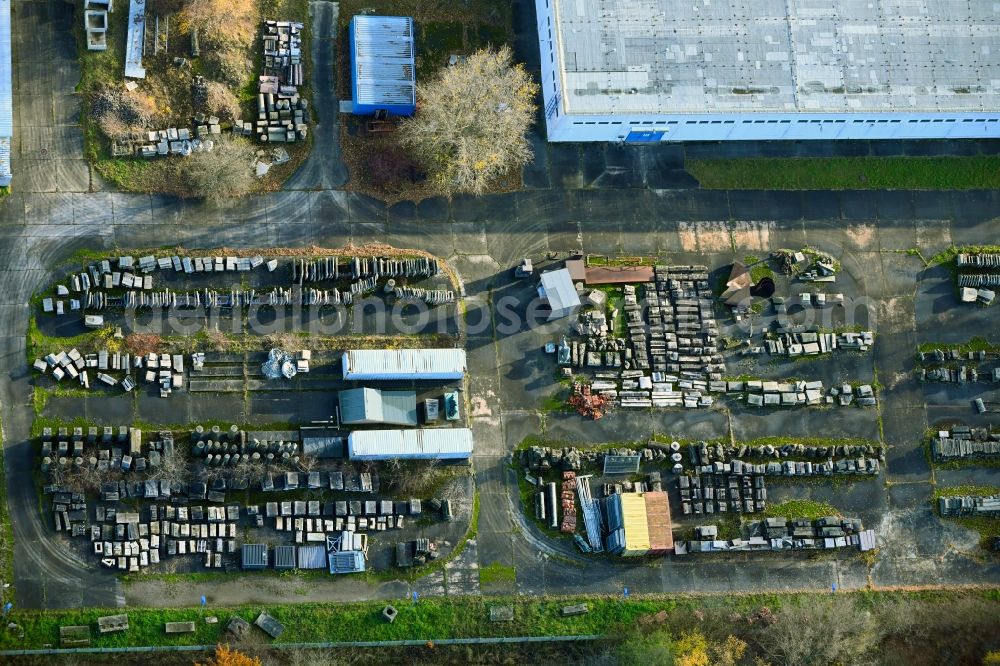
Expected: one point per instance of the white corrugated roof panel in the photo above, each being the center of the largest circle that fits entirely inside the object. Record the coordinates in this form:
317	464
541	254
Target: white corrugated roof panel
404	364
385	71
427	444
135	40
559	291
6	93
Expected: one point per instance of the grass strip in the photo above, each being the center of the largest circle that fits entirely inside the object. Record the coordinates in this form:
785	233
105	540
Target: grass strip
848	173
432	619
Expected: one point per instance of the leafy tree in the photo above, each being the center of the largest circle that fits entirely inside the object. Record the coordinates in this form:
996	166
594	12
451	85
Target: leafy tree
692	650
647	649
470	125
729	653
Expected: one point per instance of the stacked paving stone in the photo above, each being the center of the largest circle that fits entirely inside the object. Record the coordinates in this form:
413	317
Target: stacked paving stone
103	452
329	268
165	369
175	522
977	270
542	458
740	491
302	517
127	543
671	353
965	442
213	298
959	375
968	505
730	460
720	458
102	278
351	515
282	114
810	343
808	299
860	465
781	534
977	371
978	261
176	141
345	479
121	538
762	393
135	278
978	280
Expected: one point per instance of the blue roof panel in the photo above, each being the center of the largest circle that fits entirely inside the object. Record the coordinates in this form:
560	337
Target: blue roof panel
383	70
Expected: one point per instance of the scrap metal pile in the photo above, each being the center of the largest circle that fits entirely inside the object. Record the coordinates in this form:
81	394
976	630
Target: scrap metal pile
809	266
587	403
279	364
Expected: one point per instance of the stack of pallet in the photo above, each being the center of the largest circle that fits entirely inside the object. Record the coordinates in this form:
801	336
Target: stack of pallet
568	525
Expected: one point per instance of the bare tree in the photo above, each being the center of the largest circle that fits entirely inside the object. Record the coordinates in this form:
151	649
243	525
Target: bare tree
225	171
470	125
222	102
223	22
83	479
250	471
831	630
420	478
174	467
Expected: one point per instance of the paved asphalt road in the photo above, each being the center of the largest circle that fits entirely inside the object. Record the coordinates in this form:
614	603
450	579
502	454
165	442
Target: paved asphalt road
599	198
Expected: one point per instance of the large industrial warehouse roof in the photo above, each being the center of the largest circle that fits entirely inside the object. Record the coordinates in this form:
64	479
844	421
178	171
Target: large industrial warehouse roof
733	56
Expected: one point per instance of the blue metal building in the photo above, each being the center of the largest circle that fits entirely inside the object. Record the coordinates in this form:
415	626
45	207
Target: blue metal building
383	73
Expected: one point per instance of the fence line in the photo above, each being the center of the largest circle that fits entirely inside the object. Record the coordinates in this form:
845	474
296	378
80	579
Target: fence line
310	646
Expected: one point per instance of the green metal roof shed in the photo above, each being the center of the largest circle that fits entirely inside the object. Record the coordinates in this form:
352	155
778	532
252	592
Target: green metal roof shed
371	406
